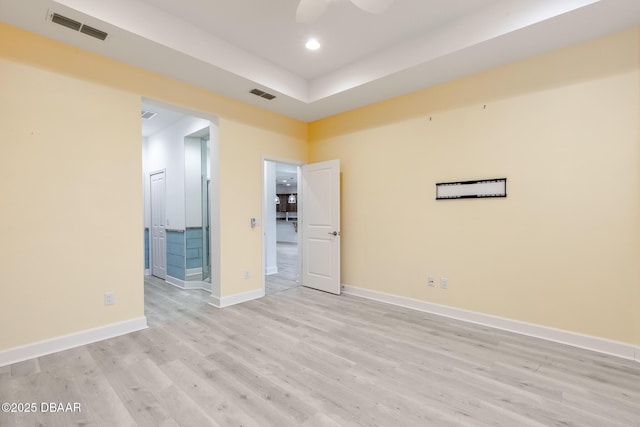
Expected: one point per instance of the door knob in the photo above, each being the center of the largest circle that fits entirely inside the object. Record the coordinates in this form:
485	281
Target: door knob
334	233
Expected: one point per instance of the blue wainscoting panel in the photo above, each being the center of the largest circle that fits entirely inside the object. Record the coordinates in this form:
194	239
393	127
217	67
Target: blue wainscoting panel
175	254
194	248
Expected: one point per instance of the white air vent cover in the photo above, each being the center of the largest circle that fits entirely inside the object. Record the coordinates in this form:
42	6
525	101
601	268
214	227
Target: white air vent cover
146	115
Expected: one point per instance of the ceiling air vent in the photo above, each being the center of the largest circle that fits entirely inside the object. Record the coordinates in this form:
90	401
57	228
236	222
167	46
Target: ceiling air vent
66	22
76	26
93	32
148	114
262	94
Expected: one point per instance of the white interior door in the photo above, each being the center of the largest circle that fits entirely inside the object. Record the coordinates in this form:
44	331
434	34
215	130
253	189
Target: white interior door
158	226
321	226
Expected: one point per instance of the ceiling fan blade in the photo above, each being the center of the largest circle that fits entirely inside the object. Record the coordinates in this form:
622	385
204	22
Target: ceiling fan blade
373	6
310	10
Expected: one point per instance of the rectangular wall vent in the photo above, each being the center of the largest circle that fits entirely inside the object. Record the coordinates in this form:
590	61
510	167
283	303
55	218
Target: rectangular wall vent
93	32
76	26
66	22
262	94
148	114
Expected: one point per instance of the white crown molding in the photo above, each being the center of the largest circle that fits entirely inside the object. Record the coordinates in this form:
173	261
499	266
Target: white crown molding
192	41
503	32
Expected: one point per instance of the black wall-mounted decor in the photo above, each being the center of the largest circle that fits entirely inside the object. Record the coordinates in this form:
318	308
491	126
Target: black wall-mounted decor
479	189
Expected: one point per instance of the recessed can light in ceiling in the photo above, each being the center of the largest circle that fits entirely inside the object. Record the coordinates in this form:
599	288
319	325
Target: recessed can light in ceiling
312	44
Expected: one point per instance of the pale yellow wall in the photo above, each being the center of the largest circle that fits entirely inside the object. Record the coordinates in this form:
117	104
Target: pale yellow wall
242	156
71	219
70	191
562	250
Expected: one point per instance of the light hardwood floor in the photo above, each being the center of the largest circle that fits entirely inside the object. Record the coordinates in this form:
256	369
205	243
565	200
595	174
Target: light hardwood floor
306	358
287	270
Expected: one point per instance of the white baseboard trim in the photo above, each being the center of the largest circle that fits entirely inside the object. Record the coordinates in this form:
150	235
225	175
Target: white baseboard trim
175	282
194	271
147	272
188	285
588	342
65	342
236	299
271	270
204	286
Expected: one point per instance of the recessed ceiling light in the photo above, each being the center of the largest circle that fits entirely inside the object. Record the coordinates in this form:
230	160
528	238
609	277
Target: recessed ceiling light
312	44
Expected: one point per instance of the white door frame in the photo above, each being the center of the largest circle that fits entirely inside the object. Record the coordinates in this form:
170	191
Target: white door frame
151	238
214	200
298	165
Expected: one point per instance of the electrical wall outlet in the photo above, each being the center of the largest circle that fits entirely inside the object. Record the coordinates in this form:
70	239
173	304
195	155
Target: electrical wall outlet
109	298
431	281
247	274
444	283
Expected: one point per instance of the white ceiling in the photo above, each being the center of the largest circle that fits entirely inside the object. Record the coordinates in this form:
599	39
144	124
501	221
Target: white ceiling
233	46
286	178
163	118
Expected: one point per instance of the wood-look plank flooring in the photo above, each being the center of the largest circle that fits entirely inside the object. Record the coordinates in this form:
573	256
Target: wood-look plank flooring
306	358
285	279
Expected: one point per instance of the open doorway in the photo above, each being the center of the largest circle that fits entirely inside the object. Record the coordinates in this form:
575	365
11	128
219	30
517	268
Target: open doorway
281	236
180	147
